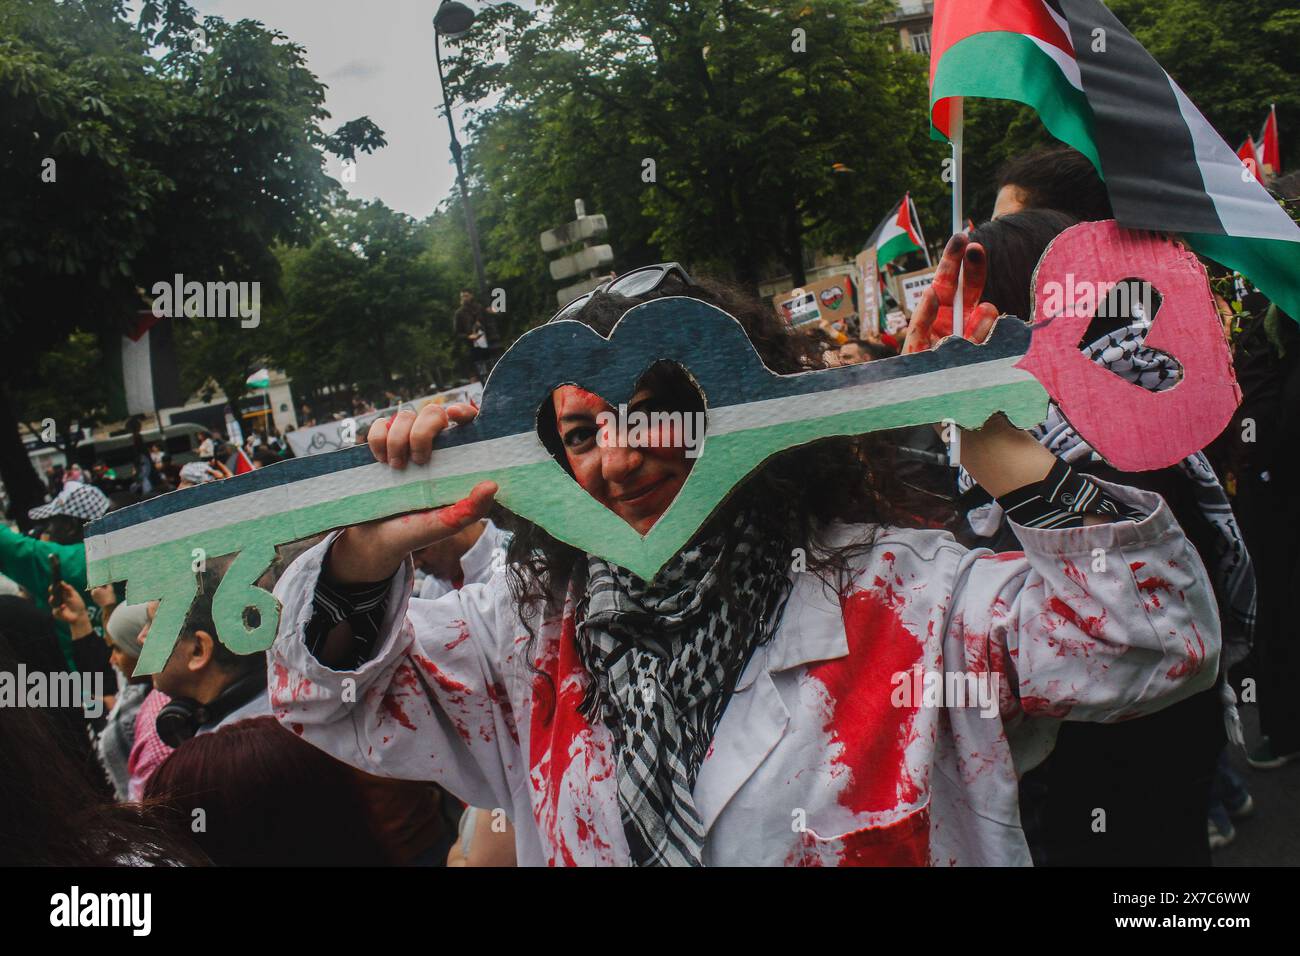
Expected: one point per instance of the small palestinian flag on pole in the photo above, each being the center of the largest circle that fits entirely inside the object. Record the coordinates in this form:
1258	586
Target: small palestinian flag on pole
1096	88
1270	149
141	367
1249	155
898	234
239	463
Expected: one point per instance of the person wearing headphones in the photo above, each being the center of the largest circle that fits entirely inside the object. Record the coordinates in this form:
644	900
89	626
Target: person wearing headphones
209	685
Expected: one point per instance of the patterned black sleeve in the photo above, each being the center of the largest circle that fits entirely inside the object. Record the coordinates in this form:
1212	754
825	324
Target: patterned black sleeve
361	605
1061	500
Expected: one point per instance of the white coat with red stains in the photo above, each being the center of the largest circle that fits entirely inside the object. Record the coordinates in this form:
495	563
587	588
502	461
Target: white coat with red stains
815	762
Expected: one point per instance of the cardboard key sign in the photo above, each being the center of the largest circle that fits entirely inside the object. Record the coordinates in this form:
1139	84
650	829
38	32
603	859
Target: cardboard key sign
752	413
1132	428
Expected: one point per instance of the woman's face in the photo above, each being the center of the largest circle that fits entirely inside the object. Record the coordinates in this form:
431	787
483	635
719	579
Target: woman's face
637	484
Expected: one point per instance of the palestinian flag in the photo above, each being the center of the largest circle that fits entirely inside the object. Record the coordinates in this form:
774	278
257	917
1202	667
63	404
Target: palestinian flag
898	233
1270	149
1096	88
1249	155
141	367
239	463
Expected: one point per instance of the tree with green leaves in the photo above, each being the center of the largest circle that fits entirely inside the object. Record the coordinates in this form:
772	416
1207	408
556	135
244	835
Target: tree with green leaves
732	135
364	307
135	149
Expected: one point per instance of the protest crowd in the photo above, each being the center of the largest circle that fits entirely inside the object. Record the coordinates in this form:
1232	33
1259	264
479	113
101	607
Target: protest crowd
461	687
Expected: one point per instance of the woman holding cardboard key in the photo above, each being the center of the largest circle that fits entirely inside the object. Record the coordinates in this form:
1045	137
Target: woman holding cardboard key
807	682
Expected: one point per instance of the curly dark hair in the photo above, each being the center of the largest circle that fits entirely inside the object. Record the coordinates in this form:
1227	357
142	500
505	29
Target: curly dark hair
794	496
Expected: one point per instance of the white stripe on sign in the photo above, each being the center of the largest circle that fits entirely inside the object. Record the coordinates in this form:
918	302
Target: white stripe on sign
781	411
527	449
495	453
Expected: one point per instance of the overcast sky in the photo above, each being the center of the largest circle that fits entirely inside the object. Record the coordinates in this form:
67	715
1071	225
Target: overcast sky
376	57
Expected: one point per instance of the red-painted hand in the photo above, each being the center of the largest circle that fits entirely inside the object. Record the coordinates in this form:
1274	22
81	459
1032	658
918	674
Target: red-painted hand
932	320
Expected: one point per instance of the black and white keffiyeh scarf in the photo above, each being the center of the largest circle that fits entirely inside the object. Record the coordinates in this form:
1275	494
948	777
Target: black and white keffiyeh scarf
1124	352
664	657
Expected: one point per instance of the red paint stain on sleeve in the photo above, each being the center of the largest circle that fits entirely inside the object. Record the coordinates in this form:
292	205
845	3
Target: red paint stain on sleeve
1195	657
1042	707
1074	574
1149	586
449	684
394	710
1091	626
1007	556
873	734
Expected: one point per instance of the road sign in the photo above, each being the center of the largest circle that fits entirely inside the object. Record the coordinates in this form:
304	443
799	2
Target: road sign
580	230
584	260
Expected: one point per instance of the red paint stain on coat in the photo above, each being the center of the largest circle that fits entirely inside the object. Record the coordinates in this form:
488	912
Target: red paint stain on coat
559	738
906	843
460	638
872	734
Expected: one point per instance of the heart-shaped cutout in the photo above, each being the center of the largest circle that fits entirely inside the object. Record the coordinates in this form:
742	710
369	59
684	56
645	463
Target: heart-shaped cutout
631	456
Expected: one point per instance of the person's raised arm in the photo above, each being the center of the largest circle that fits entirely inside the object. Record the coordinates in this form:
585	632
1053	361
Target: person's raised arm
1000	457
374	551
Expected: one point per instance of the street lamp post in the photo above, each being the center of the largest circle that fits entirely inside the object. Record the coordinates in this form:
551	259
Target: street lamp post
454	19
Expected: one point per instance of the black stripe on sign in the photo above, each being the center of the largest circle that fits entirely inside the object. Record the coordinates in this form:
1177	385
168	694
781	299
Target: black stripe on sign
1147	156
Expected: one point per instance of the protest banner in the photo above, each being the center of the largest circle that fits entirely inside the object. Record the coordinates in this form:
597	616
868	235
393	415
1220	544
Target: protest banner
831	299
912	286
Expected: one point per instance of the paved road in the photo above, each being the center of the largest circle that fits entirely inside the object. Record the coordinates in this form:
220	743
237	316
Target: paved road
1271	837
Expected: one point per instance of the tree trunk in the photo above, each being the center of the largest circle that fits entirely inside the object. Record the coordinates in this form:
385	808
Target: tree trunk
792	250
25	488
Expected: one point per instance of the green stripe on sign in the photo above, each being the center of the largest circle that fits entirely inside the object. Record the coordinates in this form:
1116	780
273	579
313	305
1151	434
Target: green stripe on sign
542	492
1010	66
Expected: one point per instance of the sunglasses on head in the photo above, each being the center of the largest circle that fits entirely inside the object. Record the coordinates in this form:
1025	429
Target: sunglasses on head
631	284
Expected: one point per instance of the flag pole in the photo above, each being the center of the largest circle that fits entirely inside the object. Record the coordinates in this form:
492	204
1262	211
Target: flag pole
956	130
920	231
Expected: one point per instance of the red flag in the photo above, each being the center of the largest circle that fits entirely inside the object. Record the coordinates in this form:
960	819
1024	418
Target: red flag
1270	150
239	463
1249	156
